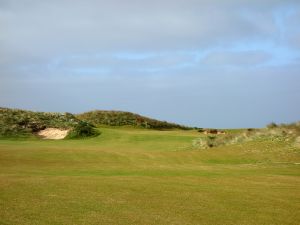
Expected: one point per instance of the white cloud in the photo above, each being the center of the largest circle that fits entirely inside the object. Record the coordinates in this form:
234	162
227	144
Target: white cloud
37	30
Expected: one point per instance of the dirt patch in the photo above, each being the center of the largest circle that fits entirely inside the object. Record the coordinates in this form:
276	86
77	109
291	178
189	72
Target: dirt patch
53	133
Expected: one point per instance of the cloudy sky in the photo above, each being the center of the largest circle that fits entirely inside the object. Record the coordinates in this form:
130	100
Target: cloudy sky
206	63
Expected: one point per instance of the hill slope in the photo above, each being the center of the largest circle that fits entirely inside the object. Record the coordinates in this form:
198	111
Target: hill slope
23	123
120	118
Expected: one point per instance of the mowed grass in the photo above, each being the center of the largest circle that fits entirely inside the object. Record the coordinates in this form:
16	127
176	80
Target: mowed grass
137	176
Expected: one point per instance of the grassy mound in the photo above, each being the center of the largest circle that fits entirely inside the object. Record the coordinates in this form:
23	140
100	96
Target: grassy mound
22	123
119	118
273	132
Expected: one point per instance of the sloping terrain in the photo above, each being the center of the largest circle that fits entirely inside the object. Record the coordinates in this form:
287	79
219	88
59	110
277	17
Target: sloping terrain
23	123
285	133
120	118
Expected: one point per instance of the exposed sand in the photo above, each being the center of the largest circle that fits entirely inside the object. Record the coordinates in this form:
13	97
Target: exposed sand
53	133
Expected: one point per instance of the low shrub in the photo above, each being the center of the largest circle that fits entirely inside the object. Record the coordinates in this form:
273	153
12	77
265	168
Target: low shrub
201	130
272	125
83	130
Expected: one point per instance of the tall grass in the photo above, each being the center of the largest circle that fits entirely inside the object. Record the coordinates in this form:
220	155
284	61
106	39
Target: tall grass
273	132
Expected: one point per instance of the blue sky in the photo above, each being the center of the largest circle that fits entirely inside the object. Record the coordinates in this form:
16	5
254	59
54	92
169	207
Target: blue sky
205	63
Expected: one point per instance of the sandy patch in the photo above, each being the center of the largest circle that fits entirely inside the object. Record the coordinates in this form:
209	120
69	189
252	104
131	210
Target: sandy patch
53	133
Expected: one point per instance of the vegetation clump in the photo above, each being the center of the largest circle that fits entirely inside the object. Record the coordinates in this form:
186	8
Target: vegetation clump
23	123
283	133
119	118
82	130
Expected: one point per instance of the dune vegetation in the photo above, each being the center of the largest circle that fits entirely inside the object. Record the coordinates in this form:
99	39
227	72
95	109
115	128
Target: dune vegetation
285	133
15	123
120	118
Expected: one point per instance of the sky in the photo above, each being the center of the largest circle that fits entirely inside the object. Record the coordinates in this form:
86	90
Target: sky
204	63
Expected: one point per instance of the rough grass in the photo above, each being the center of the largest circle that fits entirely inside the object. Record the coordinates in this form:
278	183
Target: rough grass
15	123
288	133
138	176
120	118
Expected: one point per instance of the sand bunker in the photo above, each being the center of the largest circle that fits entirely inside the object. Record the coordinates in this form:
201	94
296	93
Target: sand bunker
53	133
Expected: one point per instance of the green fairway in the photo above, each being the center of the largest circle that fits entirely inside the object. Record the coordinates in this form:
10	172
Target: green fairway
139	176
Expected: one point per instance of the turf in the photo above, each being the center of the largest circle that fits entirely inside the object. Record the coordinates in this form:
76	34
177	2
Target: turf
139	176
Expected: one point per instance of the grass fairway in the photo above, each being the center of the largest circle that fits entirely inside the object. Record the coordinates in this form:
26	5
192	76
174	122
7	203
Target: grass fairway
136	176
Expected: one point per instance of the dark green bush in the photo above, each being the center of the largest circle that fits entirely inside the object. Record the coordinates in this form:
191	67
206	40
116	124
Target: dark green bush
83	130
272	125
201	130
